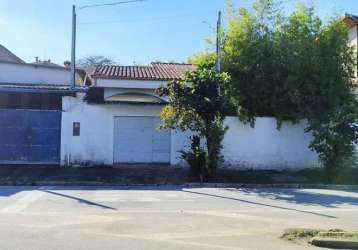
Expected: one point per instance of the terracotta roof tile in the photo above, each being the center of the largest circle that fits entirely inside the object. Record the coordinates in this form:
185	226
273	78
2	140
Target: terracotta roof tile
351	20
154	71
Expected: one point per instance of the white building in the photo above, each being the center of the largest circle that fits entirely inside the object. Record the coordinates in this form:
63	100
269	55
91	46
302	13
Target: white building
117	120
352	24
30	110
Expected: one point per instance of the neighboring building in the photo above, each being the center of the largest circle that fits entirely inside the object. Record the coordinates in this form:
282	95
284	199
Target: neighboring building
31	110
47	63
7	56
352	23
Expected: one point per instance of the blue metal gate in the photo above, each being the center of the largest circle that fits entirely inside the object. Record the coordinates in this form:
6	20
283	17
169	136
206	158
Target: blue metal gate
30	136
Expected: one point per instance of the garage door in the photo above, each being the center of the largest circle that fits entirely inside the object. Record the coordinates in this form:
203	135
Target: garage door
138	140
30	136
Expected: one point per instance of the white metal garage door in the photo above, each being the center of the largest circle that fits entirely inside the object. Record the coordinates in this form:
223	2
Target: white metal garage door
138	140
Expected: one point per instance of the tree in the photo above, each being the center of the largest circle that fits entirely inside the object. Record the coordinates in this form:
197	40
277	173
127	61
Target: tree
95	60
253	56
293	68
203	60
195	104
164	61
322	71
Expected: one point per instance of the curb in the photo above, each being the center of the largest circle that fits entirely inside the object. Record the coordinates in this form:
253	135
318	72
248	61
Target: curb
276	185
94	183
188	185
332	243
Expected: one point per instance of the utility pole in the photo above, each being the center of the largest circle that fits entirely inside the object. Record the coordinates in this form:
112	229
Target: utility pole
73	44
73	49
218	48
218	43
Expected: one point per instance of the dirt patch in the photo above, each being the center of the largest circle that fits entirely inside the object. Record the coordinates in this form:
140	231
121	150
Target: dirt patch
29	175
300	236
154	174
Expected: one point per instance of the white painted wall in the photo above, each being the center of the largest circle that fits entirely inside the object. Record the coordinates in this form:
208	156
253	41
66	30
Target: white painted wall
353	41
352	36
32	74
95	144
266	147
262	147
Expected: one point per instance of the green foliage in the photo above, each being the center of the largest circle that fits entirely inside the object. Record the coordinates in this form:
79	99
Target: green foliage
334	136
253	56
205	60
195	104
321	73
196	158
214	136
294	68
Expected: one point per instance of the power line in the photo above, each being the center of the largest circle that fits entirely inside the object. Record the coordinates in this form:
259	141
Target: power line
108	4
174	17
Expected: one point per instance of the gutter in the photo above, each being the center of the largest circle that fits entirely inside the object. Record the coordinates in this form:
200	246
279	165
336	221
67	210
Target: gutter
22	90
34	65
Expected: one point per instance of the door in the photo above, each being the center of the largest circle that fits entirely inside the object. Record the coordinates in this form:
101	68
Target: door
138	140
30	136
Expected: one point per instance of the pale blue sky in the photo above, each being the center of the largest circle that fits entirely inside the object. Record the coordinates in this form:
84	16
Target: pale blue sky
138	32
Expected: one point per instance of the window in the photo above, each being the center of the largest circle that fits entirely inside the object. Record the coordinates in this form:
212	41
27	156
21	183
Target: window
35	101
76	129
4	100
40	101
55	102
14	100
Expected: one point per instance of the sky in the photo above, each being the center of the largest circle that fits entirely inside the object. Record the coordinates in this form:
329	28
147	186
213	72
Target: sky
135	33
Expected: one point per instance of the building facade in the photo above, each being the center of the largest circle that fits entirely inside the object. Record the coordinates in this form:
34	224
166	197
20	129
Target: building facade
117	122
30	110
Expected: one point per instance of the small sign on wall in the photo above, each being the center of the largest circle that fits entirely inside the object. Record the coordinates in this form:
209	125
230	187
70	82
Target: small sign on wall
76	129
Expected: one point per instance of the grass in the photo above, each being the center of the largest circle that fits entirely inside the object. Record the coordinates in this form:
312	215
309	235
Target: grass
347	176
344	176
352	236
322	237
300	234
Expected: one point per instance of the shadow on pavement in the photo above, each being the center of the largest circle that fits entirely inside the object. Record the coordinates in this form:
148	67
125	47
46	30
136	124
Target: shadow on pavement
326	198
80	200
6	191
316	197
261	204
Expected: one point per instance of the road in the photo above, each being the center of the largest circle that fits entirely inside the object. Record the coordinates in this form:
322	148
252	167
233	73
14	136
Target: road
166	217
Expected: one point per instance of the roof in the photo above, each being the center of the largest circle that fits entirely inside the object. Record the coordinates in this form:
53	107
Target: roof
351	20
35	65
7	56
47	64
154	71
25	87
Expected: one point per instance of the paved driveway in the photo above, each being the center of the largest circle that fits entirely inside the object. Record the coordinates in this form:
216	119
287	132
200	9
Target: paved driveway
166	217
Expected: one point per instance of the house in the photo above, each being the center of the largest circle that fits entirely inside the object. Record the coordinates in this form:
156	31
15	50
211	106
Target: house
352	24
117	120
30	110
7	56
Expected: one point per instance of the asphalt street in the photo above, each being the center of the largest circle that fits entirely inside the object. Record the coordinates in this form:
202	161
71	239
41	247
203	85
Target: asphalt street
167	217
